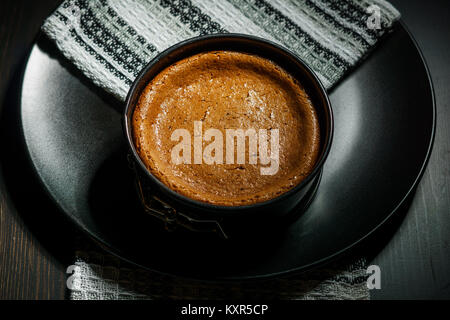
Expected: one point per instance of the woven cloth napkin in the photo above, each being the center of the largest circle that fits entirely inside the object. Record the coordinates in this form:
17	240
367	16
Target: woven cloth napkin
97	275
110	41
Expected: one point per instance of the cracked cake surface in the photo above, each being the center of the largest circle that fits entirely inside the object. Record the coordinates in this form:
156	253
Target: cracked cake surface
226	90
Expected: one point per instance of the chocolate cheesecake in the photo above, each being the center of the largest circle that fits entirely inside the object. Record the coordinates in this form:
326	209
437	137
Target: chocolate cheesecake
225	90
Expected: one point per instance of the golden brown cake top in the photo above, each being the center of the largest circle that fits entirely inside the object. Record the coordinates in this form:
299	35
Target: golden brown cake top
226	90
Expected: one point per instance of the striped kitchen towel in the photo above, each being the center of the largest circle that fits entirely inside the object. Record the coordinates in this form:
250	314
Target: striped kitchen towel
110	41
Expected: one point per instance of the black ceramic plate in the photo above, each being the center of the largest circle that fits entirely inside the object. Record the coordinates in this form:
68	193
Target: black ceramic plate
384	126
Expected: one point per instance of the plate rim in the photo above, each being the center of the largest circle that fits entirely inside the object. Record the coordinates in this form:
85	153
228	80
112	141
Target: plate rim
122	255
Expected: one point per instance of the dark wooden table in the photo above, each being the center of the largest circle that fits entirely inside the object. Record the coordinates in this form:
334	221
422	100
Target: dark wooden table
413	251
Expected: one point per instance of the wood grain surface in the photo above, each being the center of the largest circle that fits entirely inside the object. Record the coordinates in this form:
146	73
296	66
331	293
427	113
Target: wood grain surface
36	243
28	270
